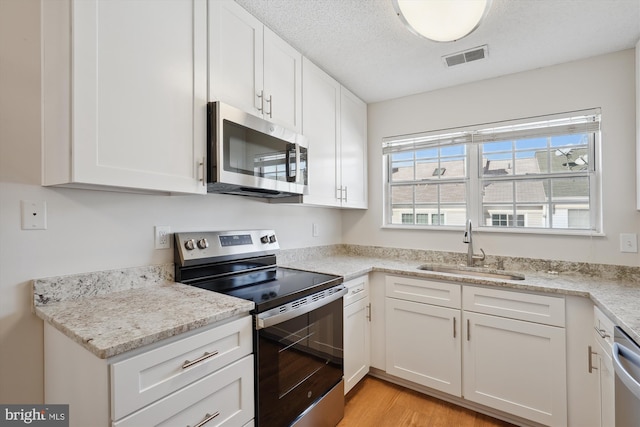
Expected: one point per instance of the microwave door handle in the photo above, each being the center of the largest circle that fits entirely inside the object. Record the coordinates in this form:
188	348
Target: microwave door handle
297	176
290	177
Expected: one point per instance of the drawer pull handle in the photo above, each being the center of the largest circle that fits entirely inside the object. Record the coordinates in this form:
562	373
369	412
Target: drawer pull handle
602	332
205	356
207	418
356	291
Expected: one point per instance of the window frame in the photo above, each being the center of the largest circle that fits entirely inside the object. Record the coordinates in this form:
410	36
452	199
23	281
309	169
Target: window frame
474	178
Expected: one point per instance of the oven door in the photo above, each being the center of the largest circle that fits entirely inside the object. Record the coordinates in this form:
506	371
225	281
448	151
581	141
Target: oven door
299	360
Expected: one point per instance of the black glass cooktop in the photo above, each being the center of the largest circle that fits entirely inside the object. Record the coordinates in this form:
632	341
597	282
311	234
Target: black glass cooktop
271	287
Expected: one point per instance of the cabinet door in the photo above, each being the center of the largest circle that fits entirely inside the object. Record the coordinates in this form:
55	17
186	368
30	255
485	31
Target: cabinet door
353	150
235	56
516	366
378	321
139	97
423	344
282	82
321	112
607	390
356	342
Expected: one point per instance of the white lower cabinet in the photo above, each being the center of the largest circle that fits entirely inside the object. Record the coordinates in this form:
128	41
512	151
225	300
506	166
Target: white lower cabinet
501	349
218	399
357	318
423	344
204	375
517	367
602	364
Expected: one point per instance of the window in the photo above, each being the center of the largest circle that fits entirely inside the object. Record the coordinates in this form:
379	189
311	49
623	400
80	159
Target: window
535	173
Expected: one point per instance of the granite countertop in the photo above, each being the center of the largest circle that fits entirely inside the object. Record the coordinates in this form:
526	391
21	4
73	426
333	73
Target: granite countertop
112	312
618	296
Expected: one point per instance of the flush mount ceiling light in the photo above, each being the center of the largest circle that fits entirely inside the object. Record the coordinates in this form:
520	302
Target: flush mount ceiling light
442	20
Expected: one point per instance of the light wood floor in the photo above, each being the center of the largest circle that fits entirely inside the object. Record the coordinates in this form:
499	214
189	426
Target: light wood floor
377	403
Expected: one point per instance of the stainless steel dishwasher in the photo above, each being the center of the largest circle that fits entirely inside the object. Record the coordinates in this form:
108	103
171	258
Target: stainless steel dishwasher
626	364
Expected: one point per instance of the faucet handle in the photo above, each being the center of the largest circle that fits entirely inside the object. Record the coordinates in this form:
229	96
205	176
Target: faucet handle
480	257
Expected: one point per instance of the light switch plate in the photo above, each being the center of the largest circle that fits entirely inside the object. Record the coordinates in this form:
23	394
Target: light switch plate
34	215
628	242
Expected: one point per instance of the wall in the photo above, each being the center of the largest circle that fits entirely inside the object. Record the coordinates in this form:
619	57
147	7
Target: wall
88	230
605	81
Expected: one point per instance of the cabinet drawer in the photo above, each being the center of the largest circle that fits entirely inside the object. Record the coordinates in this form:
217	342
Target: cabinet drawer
358	289
515	305
424	291
226	395
145	378
603	327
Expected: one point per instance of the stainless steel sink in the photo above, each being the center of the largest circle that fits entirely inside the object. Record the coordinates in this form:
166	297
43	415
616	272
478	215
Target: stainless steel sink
472	271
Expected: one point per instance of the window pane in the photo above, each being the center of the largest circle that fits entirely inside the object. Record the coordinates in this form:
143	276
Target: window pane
425	169
453	193
528	144
570	189
531	191
401	167
402	194
568	160
530	162
497	192
452	215
578	218
494	147
427	193
497	167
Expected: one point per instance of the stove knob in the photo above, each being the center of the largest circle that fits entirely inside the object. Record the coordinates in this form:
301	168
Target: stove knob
264	239
203	244
190	244
272	238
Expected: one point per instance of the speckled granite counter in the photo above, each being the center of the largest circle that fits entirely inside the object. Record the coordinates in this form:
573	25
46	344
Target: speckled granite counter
614	289
111	312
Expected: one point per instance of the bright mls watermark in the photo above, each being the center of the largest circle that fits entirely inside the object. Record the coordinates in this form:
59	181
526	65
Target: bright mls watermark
34	415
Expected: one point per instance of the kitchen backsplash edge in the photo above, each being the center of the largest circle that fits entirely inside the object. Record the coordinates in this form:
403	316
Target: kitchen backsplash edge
516	264
77	286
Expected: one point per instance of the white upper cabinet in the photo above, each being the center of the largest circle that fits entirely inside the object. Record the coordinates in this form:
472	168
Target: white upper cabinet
353	150
321	126
335	124
124	94
252	68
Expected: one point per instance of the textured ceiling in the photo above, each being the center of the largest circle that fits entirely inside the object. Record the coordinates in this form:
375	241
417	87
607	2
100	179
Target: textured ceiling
363	44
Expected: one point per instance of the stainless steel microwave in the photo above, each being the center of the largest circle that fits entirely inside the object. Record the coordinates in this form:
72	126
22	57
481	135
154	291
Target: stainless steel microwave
249	156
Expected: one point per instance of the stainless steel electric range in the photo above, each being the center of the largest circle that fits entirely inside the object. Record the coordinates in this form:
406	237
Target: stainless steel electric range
298	324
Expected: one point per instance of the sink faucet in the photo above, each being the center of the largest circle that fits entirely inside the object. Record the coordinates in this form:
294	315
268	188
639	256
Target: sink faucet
468	239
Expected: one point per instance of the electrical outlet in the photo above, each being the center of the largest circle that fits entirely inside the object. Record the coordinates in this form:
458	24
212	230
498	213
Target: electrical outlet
314	230
34	215
628	242
163	237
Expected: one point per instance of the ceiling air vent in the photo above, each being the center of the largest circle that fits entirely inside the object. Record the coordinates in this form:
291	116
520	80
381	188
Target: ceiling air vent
474	54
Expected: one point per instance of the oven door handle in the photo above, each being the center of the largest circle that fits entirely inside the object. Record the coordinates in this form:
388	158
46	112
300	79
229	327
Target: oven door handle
276	315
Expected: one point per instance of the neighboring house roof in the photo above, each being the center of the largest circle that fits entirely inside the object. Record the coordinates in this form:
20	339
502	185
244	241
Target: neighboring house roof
496	192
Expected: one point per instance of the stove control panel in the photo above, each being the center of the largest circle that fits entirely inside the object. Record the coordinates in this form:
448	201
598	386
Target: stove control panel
196	247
